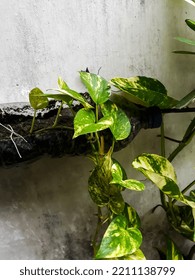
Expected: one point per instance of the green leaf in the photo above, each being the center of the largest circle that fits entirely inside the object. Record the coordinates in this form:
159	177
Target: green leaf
145	91
98	87
192	193
121	126
96	189
186	100
118	172
69	93
131	216
119	240
160	171
84	122
138	255
183	220
37	99
186	41
117	178
98	183
130	184
116	203
190	23
189	200
172	251
63	85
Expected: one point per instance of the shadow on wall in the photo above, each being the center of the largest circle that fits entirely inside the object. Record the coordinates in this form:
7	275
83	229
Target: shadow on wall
44	210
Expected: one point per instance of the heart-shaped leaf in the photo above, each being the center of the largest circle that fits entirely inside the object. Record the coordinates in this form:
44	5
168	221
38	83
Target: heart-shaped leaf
98	87
121	126
117	178
84	122
160	171
118	240
145	91
116	203
37	99
98	183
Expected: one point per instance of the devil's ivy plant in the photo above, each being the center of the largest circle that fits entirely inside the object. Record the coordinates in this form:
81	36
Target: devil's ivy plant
122	238
108	179
158	168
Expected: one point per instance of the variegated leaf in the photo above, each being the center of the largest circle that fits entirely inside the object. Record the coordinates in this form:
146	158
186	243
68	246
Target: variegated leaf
116	203
84	122
160	171
172	251
144	91
65	96
132	217
121	126
138	255
117	178
119	240
98	183
98	87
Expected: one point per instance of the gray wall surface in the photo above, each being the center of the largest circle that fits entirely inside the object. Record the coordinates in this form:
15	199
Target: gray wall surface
46	212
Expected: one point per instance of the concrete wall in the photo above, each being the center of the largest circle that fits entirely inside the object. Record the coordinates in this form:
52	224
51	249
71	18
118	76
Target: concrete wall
46	212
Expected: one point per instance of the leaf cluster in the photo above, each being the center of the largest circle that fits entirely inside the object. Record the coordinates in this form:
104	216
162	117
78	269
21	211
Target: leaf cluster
107	181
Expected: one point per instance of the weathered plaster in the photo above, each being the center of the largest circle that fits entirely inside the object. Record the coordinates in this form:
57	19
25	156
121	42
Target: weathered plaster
46	212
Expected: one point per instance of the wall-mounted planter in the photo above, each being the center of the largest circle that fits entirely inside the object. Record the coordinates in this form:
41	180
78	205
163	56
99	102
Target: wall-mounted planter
17	145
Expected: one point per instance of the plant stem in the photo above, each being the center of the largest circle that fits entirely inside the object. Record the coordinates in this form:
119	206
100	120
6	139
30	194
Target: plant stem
182	110
162	195
58	114
56	127
170	207
163	153
33	121
185	190
190	131
96	134
171	139
112	147
98	227
188	187
101	145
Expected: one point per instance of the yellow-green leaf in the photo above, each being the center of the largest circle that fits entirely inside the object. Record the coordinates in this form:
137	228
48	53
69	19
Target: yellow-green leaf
119	240
84	122
98	87
38	99
145	91
121	126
